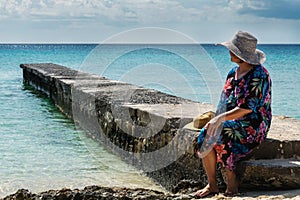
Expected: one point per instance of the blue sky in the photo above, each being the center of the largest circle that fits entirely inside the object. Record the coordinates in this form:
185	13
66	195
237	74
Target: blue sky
92	21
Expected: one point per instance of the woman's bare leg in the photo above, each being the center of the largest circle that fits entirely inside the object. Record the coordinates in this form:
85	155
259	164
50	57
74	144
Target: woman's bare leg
232	183
209	163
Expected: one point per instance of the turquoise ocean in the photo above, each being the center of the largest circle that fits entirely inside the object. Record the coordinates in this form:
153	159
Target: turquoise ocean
41	149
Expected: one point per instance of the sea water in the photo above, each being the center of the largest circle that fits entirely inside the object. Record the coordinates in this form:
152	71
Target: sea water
41	149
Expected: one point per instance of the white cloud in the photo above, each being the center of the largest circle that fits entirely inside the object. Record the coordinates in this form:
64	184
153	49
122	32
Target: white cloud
146	11
208	20
281	9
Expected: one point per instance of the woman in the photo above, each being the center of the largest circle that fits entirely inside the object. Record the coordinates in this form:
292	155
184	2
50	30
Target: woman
243	116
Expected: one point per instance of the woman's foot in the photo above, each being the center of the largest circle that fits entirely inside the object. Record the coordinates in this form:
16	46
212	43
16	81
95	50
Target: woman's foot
207	191
230	194
232	184
231	191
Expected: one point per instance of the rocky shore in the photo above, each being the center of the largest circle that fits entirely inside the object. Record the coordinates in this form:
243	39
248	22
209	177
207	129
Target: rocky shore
114	193
94	192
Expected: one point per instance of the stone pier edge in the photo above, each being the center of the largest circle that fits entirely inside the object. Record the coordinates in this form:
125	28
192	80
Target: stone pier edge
98	104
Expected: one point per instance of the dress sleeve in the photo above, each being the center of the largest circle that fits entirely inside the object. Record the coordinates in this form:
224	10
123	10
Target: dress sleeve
255	90
231	72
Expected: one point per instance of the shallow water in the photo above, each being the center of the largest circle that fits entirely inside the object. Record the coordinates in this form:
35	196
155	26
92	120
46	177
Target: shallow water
46	151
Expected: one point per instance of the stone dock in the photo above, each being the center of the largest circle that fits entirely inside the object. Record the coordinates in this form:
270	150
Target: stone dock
145	128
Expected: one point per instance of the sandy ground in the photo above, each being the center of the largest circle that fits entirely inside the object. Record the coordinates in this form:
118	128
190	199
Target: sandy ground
284	128
282	194
286	194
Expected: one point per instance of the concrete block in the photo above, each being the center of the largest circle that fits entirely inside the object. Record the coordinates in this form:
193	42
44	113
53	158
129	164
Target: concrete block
139	120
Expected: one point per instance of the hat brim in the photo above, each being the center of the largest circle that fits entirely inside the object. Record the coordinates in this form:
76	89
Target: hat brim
258	58
200	121
190	126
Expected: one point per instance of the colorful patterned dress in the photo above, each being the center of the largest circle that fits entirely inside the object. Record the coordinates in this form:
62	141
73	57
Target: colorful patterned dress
236	138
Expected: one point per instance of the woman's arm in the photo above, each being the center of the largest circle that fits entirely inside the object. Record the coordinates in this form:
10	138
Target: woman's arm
235	113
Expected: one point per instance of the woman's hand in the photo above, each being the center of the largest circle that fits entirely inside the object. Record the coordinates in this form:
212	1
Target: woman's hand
213	125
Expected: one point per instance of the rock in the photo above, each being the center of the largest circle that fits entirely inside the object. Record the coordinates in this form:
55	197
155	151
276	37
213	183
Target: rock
95	192
20	195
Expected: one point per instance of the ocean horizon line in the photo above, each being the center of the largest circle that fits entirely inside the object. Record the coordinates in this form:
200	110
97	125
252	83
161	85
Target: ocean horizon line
130	43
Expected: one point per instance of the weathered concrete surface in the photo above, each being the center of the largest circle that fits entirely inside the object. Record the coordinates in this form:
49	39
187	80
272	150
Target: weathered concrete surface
144	126
275	173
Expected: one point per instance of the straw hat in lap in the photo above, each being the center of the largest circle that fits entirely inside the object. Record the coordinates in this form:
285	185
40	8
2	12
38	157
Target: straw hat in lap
200	121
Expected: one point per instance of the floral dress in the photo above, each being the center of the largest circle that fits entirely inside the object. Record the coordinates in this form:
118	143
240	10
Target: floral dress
236	138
